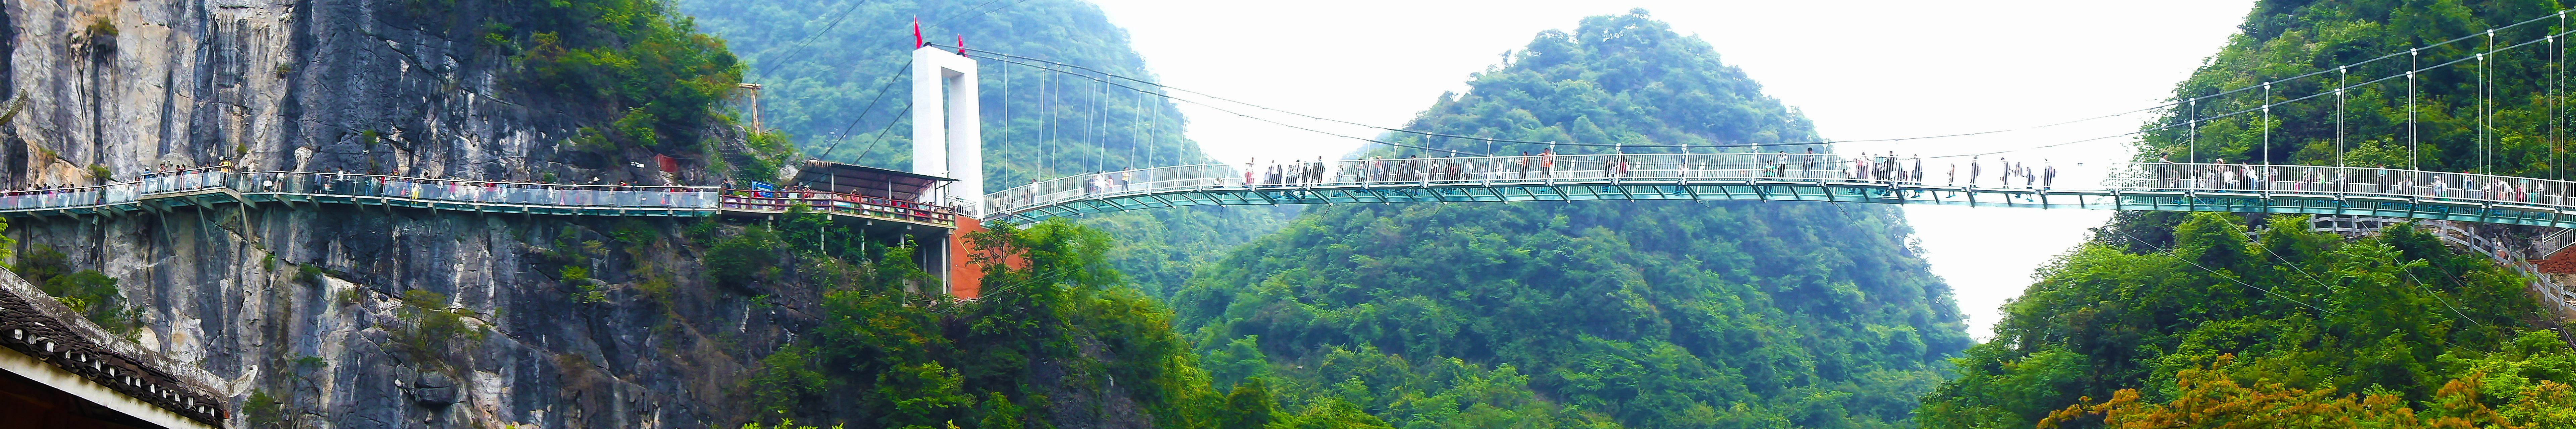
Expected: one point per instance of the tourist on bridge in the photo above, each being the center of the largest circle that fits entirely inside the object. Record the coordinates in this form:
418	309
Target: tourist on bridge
2164	172
2003	171
1250	167
1888	164
2048	178
1860	167
1810	169
1974	170
1951	178
1319	169
1547	162
1523	166
2220	173
2028	176
1918	169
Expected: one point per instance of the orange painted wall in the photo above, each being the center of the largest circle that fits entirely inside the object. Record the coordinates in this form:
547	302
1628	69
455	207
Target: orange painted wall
965	279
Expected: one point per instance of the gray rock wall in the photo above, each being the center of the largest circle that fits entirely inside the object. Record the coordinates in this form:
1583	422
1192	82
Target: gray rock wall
360	86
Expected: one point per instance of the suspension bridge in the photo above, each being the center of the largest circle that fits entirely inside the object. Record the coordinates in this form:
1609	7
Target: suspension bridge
943	195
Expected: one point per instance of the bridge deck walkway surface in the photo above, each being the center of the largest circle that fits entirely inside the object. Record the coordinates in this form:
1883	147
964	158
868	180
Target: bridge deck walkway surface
210	187
2289	189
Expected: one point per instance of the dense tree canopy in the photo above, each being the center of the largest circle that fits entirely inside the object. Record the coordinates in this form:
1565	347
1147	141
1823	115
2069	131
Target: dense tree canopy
2494	109
1058	341
1635	314
2399	316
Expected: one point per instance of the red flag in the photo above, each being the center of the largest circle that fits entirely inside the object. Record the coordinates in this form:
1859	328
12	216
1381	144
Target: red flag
916	33
961	45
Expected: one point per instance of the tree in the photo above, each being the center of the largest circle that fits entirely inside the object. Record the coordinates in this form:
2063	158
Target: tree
1248	406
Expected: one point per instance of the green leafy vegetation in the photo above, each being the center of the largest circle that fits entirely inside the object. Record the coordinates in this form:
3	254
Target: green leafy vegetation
428	329
2281	39
263	411
743	258
1056	334
2182	320
2399	319
650	66
89	292
1637	314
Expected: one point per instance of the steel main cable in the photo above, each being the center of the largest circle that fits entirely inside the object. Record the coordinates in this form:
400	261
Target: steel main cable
2490	31
1221	109
2193	120
944	19
882	90
881	134
1406	131
978	15
800	43
844	134
2321	312
1490	139
2437	295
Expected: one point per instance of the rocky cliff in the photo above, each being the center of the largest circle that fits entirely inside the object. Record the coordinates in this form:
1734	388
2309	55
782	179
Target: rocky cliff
340	316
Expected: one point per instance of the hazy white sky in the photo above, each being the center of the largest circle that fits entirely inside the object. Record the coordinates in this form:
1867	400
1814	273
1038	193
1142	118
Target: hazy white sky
1861	69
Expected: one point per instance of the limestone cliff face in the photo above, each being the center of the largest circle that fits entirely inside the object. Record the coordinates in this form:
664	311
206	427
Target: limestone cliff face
117	87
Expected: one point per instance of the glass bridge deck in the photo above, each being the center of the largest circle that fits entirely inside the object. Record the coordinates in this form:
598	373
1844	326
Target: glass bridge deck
1803	177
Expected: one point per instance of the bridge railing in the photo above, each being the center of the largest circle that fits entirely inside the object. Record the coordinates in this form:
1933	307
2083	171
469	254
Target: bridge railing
367	185
2341	180
474	191
183	180
62	197
1417	170
859	205
1487	169
2213	177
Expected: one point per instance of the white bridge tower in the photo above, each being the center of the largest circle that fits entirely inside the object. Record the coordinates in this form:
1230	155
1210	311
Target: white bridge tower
947	131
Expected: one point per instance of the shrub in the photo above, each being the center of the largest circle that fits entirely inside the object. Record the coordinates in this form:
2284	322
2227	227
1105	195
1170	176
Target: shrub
639	56
41	262
785	380
745	257
636	129
574	274
432	328
308	273
102	27
264	411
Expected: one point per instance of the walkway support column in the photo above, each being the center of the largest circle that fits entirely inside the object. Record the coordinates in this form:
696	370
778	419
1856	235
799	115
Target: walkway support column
947	131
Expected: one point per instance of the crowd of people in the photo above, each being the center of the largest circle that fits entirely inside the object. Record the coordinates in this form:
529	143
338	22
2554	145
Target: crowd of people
2222	175
1976	171
1546	164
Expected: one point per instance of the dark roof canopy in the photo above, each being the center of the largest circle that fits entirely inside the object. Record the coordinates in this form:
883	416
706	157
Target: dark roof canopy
865	180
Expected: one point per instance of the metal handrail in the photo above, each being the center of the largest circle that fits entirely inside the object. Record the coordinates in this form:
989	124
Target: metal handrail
2478	189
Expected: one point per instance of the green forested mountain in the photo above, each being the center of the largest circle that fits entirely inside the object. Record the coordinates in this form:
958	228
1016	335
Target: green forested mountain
2399	318
834	82
2181	320
2300	46
1629	314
